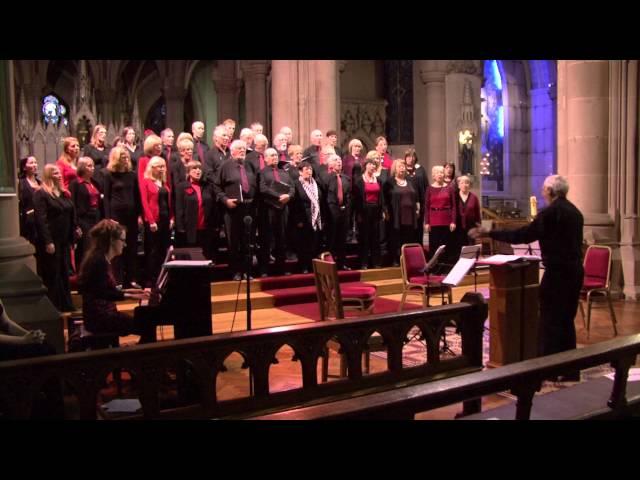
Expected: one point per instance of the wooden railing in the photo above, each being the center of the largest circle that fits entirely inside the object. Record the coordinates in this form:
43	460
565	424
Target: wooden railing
523	379
84	373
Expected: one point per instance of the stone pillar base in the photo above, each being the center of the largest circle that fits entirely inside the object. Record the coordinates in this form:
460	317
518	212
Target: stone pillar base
24	295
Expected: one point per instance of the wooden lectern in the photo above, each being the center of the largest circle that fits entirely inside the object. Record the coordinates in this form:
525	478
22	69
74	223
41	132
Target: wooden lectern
513	312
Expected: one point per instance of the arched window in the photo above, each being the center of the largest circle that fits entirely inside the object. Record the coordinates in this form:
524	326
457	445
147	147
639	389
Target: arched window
54	111
492	163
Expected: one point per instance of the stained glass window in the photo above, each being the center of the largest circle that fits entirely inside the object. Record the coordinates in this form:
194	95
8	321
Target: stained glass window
492	166
53	111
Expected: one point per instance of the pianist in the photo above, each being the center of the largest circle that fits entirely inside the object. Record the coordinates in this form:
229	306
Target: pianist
98	287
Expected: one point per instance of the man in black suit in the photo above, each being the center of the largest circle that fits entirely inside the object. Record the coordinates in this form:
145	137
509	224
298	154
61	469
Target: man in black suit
217	155
338	198
558	228
312	152
276	190
200	147
280	144
255	159
236	190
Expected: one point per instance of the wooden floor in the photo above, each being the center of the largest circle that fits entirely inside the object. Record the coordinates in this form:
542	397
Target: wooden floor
287	374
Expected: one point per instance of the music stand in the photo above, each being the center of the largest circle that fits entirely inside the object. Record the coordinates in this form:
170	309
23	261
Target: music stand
472	251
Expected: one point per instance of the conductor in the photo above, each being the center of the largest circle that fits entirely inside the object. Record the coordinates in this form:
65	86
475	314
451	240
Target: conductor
558	227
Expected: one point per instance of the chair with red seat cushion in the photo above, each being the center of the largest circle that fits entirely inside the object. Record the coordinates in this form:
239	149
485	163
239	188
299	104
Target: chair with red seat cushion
596	283
334	299
416	279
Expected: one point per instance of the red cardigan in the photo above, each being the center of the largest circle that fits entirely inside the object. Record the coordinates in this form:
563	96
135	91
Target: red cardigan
469	214
149	197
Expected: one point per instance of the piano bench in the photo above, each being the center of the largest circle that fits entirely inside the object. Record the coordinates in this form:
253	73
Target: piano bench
101	341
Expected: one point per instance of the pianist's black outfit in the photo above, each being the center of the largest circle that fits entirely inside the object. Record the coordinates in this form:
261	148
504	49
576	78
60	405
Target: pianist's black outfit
99	294
559	230
229	186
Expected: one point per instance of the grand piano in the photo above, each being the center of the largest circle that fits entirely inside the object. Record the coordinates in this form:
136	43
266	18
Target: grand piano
182	295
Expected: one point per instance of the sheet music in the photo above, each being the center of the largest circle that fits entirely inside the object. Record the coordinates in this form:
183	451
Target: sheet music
501	259
459	270
188	263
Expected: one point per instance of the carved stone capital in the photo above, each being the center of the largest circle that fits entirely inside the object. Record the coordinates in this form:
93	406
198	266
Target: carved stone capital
470	67
432	71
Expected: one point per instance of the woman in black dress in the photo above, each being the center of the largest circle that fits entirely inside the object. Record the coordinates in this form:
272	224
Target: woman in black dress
28	185
122	204
98	150
87	200
417	174
402	208
55	220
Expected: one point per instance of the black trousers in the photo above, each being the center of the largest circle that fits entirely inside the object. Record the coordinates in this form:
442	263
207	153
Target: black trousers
559	297
272	228
369	228
441	235
404	234
236	237
158	244
338	226
308	242
125	266
55	275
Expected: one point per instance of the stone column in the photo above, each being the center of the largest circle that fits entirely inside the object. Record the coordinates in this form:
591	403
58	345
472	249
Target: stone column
587	109
21	290
284	96
174	98
326	75
625	134
255	84
430	114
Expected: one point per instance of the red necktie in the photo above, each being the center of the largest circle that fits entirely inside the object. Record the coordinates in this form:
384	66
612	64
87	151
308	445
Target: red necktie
261	161
243	179
340	193
276	175
283	157
200	153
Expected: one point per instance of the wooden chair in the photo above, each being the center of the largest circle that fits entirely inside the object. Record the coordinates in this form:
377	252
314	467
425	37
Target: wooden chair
596	283
416	276
334	299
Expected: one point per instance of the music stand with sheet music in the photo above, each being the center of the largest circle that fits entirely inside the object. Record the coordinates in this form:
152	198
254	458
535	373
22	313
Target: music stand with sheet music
472	251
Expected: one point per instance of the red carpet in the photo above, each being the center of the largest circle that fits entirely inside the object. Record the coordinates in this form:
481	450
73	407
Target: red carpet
312	310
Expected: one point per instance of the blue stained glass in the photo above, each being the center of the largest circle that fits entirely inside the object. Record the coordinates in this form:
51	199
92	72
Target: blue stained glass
53	110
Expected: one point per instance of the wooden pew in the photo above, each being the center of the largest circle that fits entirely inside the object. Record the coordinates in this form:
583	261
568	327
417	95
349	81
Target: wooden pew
84	372
523	379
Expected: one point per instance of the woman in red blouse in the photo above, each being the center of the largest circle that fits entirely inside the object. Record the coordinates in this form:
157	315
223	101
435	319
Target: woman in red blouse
381	147
155	195
368	202
439	212
67	162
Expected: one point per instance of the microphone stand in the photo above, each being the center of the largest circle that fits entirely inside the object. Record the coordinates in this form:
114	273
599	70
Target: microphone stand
248	264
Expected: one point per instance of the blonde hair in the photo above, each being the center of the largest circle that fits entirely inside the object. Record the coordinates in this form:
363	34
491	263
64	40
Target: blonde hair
463	177
151	142
353	143
94	134
394	165
152	163
183	136
293	149
82	165
184	143
115	164
64	156
372	155
48	182
435	169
